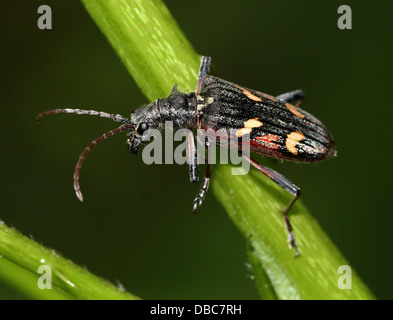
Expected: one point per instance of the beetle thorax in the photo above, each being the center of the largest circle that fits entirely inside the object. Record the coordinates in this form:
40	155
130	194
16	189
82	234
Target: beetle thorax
178	108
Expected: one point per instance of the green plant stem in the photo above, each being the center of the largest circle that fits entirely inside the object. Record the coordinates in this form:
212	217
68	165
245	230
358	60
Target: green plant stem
20	258
148	41
313	275
24	281
158	55
259	275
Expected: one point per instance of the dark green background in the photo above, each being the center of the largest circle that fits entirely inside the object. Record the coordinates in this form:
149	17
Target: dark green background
135	226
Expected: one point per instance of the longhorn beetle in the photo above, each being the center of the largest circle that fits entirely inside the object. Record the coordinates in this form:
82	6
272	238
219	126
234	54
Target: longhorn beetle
275	127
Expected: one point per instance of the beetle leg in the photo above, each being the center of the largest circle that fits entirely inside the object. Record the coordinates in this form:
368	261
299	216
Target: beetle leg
286	185
192	158
204	70
205	184
292	96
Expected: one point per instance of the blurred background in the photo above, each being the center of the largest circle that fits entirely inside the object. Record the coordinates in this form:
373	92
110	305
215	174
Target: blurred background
135	226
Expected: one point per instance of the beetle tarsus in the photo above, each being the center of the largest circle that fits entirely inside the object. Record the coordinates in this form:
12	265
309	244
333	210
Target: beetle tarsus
201	195
291	236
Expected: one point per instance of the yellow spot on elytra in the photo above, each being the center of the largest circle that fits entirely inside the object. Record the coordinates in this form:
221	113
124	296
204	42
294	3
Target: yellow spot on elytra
293	140
248	126
253	123
294	110
209	100
241	132
249	94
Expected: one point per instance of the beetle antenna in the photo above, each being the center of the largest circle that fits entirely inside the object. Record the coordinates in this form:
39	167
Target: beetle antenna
114	117
82	157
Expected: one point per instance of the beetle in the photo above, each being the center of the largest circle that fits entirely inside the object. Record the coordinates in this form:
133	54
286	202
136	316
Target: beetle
275	127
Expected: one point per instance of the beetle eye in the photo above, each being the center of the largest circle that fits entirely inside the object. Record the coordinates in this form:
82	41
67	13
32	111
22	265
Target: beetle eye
143	126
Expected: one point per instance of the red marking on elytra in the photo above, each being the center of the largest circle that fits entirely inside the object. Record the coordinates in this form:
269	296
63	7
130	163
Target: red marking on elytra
268	140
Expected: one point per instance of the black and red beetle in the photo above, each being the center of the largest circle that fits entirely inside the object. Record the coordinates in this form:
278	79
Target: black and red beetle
275	127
